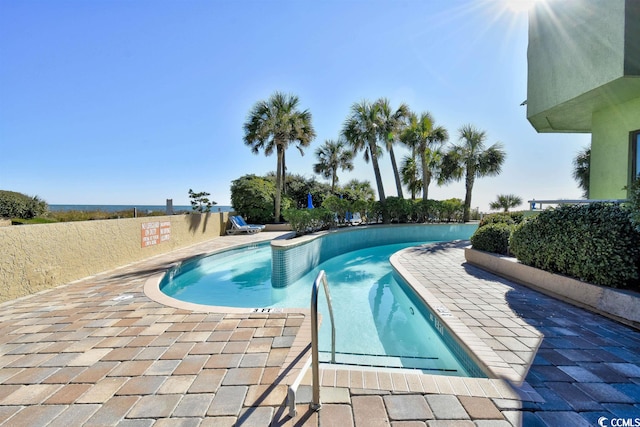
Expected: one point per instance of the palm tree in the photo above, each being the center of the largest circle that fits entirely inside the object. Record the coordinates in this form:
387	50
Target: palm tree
470	159
582	169
390	126
425	139
411	175
273	125
506	202
360	131
359	190
333	155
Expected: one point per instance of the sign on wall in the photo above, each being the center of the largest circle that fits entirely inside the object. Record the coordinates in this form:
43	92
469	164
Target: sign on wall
152	233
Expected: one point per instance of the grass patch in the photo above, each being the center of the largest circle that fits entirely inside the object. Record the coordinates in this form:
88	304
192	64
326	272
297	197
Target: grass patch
20	221
75	215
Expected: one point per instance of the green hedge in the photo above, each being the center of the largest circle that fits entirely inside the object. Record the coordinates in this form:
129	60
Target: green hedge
304	221
596	243
493	238
506	218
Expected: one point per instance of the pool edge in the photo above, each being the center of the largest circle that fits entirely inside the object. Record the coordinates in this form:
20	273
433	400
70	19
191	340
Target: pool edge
483	355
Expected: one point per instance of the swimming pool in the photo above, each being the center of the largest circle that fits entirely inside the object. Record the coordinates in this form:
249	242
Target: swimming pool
379	320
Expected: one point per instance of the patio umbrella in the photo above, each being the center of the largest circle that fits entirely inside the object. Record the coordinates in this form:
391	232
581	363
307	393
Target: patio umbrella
309	201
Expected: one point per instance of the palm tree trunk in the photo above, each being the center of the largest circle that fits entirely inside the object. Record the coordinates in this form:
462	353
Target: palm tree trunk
280	155
284	173
467	197
426	175
396	173
334	178
376	172
426	180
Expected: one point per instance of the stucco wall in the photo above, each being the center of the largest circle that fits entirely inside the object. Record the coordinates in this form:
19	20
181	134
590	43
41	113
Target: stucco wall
574	47
610	150
41	256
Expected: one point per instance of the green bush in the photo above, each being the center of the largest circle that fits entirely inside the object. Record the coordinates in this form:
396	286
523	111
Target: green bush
427	211
362	207
305	221
595	243
451	210
338	206
18	205
493	238
505	218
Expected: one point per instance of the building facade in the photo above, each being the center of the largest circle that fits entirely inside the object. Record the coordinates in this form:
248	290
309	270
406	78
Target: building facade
584	76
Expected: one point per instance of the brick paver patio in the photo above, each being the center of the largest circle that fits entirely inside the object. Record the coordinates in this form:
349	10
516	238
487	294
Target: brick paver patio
100	352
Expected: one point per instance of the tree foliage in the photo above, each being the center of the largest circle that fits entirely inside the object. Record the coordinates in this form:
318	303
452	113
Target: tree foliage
333	156
274	124
358	190
253	197
505	202
298	188
425	140
390	125
469	159
582	170
361	131
200	202
18	205
410	171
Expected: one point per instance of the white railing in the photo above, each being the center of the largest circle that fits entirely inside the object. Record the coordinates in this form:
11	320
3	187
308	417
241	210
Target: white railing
537	205
315	363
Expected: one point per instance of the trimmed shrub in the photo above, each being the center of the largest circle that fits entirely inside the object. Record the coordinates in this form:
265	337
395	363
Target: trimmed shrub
505	218
596	243
305	221
493	238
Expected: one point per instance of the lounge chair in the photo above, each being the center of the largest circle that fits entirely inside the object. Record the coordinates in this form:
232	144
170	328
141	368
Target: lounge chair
239	225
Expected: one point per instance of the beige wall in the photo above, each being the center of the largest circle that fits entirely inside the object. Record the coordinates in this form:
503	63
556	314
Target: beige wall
41	256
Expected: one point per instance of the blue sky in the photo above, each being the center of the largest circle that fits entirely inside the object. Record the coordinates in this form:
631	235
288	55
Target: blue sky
134	102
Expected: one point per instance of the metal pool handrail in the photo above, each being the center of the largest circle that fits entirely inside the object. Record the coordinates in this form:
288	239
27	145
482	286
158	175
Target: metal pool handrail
322	277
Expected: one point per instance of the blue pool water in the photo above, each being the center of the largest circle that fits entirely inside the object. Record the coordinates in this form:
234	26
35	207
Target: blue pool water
379	321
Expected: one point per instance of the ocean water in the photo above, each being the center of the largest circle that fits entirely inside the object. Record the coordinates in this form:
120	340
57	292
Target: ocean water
141	208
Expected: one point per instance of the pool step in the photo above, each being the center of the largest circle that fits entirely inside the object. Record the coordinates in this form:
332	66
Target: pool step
430	364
